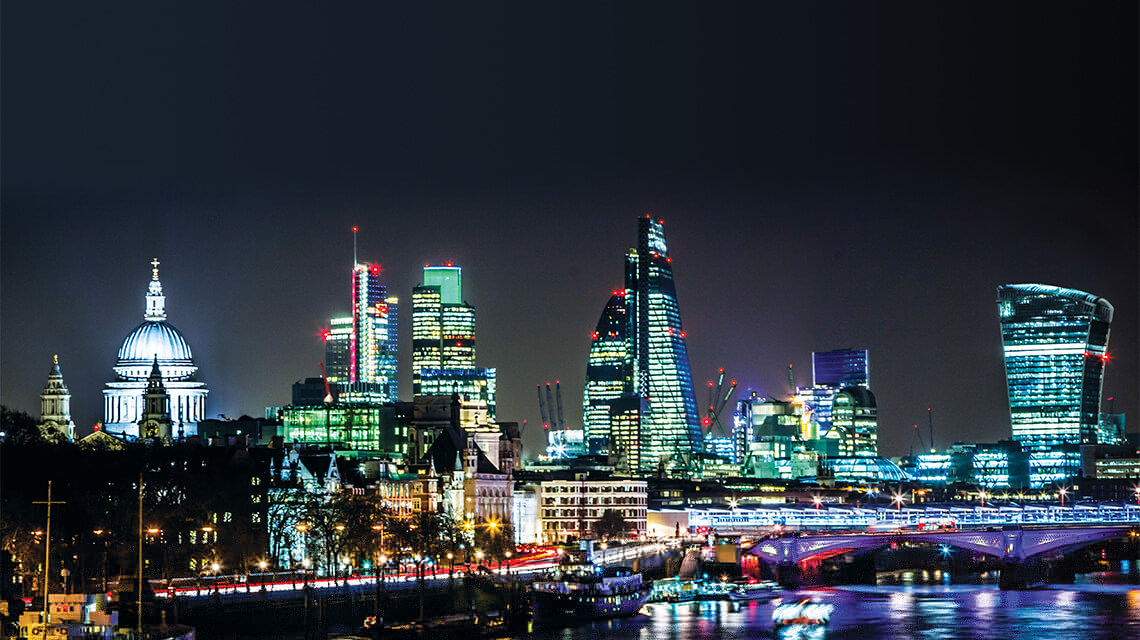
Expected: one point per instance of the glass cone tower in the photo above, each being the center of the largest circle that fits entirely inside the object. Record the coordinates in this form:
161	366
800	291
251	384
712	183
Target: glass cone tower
1056	343
660	385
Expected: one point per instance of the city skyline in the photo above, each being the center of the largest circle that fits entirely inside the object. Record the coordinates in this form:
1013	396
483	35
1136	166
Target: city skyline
822	190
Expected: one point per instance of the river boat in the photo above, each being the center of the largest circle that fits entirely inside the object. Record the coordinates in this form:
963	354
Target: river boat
802	612
753	591
584	591
675	590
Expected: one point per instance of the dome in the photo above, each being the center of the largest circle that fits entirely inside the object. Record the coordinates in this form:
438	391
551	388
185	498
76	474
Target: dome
152	339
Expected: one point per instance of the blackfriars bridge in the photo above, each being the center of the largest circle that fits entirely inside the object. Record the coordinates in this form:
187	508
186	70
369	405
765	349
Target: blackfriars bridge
1013	534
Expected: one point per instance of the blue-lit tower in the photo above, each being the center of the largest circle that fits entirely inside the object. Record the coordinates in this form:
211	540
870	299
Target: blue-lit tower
1055	342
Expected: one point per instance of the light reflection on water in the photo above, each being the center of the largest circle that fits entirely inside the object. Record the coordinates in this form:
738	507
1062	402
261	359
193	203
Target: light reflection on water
1072	612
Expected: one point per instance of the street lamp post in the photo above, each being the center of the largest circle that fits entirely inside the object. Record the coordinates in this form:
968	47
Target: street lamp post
1062	491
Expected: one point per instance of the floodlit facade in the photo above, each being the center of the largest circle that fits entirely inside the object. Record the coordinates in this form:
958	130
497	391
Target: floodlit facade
55	403
1055	343
155	338
570	509
338	345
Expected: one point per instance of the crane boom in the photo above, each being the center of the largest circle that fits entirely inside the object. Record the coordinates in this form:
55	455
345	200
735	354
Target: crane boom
542	407
550	404
558	395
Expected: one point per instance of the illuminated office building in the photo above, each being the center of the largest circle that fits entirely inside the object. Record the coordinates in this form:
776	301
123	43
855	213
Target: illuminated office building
1055	343
855	422
609	371
360	351
668	429
338	345
351	426
443	340
831	372
841	368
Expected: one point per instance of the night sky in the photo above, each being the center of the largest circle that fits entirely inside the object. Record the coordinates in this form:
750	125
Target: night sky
831	175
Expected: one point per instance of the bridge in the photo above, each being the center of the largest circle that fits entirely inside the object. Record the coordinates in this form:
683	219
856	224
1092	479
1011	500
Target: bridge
763	519
1013	546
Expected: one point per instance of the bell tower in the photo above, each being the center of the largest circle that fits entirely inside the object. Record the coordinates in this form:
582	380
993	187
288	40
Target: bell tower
55	403
155	422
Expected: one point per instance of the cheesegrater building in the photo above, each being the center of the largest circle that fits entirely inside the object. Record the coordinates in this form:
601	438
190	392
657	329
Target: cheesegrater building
649	364
1055	343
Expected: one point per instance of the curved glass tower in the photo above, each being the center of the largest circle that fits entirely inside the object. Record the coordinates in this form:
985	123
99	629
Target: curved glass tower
609	372
1056	343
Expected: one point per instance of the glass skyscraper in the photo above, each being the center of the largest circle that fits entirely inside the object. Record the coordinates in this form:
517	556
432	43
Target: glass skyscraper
361	350
1055	342
443	340
609	371
841	368
659	377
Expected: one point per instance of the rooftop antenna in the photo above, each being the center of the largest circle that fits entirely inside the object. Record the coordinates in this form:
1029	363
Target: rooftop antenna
354	230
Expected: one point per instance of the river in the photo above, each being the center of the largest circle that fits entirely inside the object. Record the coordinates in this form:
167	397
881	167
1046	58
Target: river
1077	612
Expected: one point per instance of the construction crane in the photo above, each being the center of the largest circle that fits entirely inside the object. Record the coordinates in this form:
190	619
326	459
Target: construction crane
550	404
918	434
325	378
558	396
718	398
542	407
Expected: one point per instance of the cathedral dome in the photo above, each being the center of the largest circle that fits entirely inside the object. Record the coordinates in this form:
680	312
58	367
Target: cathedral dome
154	339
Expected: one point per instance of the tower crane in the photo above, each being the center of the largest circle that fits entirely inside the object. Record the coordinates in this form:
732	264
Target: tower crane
718	398
542	407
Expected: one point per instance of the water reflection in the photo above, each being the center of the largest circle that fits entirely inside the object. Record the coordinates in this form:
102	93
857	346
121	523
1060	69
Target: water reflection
1073	612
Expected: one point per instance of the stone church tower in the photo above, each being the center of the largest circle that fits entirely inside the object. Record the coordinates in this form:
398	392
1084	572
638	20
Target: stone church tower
55	403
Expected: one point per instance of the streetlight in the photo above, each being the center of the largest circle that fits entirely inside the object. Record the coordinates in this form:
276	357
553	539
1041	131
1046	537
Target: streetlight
508	554
214	569
817	501
898	500
1062	491
982	496
1138	495
262	565
450	564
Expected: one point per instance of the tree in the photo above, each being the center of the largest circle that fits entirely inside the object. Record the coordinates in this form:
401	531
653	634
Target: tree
610	525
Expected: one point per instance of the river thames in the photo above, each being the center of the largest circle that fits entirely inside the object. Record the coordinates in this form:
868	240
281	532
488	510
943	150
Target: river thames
1077	612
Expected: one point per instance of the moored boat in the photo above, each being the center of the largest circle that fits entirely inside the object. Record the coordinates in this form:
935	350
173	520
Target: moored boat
580	592
753	591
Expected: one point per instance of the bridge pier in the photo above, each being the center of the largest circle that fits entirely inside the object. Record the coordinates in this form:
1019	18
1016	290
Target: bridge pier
789	575
1019	574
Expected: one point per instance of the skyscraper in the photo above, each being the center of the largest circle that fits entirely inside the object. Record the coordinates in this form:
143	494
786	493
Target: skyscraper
841	368
609	370
360	351
831	372
654	347
1055	342
443	340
